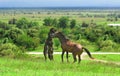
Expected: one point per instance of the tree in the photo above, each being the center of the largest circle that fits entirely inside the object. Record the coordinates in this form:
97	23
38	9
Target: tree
55	22
12	21
84	24
13	34
116	18
63	22
72	23
32	24
3	28
48	21
43	34
22	23
33	32
4	25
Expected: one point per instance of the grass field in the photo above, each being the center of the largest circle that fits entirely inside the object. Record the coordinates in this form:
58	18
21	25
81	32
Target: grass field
36	66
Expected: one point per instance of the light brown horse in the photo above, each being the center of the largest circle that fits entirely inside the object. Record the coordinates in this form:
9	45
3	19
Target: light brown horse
69	46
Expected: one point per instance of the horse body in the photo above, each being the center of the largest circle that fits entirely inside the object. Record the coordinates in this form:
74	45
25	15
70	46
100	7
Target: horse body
48	47
69	46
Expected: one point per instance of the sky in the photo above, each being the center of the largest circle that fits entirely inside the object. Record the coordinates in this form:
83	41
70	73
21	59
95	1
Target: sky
59	3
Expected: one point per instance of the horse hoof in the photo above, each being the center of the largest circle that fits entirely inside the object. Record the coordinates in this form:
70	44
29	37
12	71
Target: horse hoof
92	58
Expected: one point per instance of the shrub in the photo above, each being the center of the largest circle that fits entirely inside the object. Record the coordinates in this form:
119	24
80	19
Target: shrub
72	23
28	42
106	45
32	24
12	21
56	43
33	32
48	21
63	22
83	42
10	50
14	34
43	33
108	48
22	23
85	24
4	25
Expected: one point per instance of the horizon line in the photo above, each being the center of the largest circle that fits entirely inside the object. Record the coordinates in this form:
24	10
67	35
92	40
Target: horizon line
64	7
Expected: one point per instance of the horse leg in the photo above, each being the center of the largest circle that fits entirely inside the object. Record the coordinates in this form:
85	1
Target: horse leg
62	55
50	52
45	52
51	55
67	56
79	58
45	55
74	57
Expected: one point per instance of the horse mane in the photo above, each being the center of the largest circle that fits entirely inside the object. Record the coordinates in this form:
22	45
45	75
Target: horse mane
63	36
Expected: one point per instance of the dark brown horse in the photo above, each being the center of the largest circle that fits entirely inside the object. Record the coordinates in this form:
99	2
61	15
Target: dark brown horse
48	47
69	46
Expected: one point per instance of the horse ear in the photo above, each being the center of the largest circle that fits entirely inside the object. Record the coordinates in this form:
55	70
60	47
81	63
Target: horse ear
53	30
60	32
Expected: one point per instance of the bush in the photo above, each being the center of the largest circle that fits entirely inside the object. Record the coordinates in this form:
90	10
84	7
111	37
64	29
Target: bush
72	23
14	34
48	21
22	23
4	25
28	42
10	50
56	43
83	42
108	48
33	32
32	24
12	21
106	45
43	33
63	22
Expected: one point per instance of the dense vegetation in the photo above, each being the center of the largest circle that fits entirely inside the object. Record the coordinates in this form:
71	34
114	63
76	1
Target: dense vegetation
30	34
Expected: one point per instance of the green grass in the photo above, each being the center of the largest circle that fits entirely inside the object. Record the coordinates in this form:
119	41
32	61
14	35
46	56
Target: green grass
36	66
115	58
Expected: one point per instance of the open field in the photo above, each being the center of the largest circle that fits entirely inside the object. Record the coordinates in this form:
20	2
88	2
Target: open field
79	14
36	66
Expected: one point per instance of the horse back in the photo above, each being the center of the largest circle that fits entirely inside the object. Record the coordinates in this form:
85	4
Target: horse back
71	46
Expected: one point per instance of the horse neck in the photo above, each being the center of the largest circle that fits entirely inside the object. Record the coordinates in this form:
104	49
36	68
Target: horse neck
62	39
49	38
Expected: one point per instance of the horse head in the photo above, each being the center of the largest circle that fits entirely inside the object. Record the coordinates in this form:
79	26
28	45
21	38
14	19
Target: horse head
52	32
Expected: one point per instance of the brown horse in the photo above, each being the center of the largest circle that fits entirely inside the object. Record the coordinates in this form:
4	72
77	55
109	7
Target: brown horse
69	46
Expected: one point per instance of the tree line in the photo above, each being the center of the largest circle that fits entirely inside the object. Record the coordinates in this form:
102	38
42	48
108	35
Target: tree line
29	35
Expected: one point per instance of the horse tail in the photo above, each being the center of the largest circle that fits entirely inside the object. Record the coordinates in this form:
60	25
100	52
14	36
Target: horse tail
87	51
